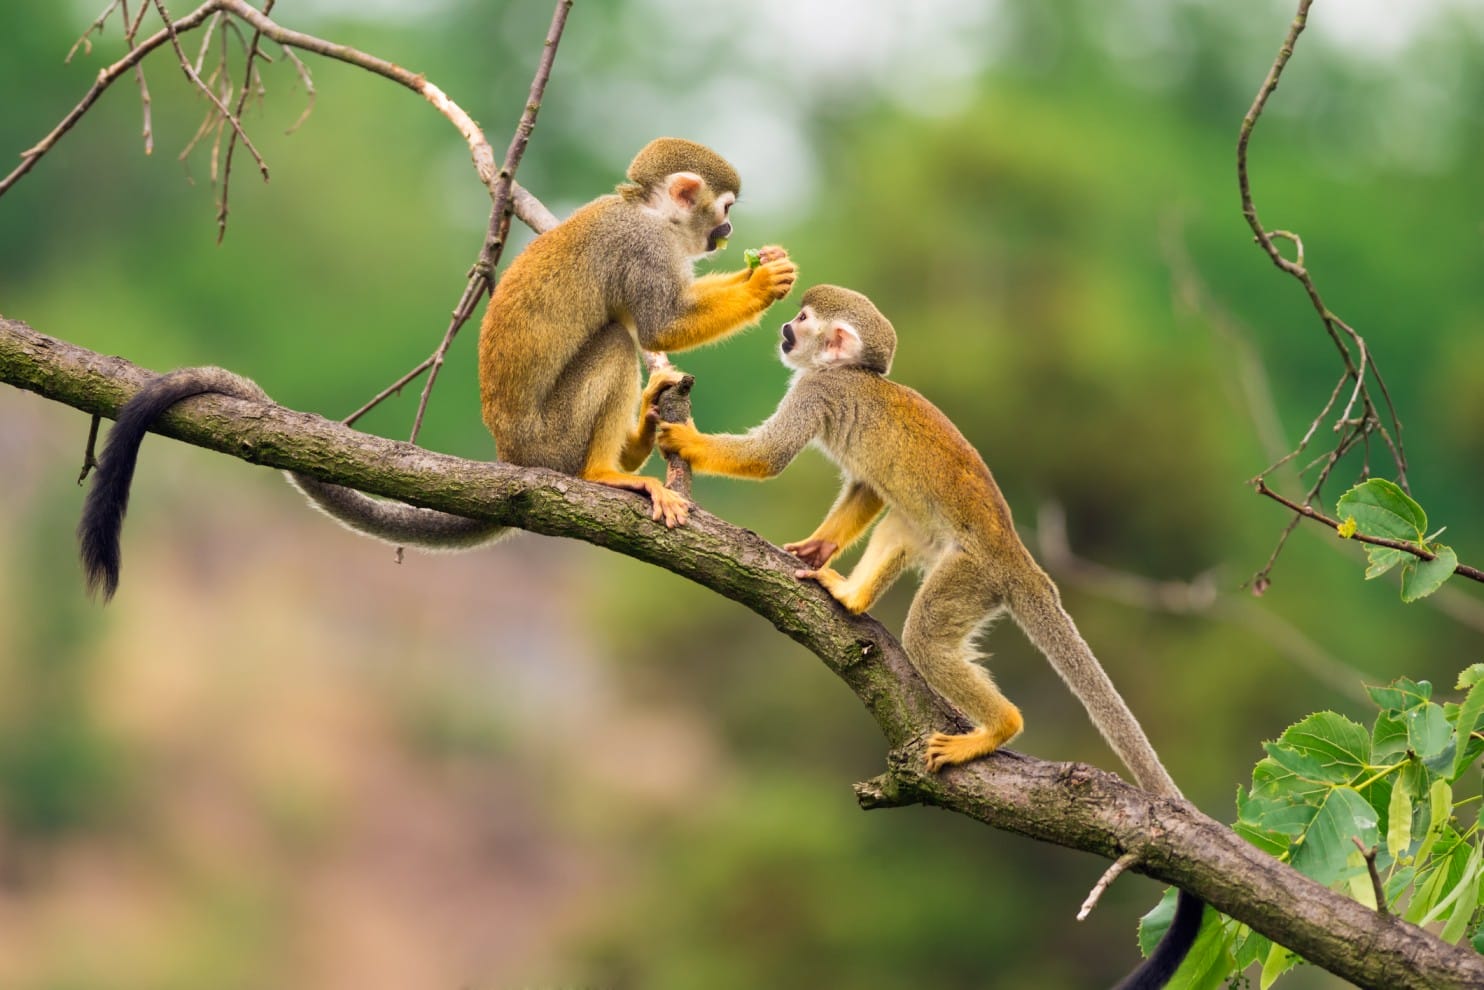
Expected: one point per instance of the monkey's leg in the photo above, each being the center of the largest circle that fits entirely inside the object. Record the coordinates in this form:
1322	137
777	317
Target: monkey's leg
611	390
640	441
852	512
887	553
950	607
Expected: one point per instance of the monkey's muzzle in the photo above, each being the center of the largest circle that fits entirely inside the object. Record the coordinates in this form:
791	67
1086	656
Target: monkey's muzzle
718	236
788	337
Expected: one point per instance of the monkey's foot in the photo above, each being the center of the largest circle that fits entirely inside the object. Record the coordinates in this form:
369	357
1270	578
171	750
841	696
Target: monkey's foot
659	380
671	508
945	750
815	553
835	583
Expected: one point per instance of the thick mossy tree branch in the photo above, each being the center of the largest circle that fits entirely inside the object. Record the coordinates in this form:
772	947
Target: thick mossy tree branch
1069	804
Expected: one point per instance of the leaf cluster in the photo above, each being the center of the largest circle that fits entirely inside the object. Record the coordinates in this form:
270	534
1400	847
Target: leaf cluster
1337	800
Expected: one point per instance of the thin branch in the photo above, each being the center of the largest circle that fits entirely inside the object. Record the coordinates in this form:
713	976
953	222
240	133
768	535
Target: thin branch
482	279
525	206
1354	428
1309	512
1065	803
1378	889
247	78
195	78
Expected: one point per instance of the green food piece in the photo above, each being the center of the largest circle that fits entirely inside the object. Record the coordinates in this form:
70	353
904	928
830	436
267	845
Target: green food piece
753	257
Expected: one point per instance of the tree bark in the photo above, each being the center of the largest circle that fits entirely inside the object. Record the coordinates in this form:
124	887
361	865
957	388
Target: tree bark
1070	804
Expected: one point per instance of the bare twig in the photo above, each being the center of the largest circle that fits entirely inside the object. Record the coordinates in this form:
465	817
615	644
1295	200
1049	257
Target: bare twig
482	277
1362	414
525	206
1377	887
1104	882
195	78
1309	512
247	78
89	454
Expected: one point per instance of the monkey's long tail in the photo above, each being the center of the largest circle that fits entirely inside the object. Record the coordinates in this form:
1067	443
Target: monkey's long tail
396	522
107	500
1037	608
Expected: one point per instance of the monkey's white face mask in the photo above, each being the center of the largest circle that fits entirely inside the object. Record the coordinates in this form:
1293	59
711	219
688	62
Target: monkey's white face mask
812	342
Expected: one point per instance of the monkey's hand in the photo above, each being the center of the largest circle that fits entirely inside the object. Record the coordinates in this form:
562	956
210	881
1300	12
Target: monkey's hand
774	277
814	552
678	438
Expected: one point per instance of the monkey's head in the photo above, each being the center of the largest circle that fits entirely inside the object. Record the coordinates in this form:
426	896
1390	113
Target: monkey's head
838	328
690	185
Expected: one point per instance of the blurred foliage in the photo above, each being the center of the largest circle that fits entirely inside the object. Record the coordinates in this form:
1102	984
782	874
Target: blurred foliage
276	760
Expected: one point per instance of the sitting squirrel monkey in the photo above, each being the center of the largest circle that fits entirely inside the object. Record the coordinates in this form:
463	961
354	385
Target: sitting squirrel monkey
945	515
559	358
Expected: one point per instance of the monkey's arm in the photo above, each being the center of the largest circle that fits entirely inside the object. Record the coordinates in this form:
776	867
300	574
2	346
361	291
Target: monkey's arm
716	305
723	279
858	505
762	452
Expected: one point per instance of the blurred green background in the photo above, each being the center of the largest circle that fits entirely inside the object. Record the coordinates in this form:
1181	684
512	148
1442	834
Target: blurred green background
279	759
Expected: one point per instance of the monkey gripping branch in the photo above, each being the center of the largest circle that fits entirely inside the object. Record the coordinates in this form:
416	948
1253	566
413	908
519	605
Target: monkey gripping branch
1069	804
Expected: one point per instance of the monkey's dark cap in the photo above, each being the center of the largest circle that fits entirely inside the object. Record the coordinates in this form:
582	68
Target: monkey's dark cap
666	156
878	337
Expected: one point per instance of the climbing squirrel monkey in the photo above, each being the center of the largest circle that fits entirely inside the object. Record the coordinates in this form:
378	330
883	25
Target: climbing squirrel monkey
902	459
943	513
559	361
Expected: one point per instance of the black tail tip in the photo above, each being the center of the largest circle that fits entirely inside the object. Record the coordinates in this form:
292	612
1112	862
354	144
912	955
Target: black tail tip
100	568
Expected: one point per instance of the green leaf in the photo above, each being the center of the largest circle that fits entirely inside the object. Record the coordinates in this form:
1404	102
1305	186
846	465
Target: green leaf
1478	940
1401	694
1381	508
1470	720
1399	819
1325	746
1379	560
1210	961
1389	739
1428	730
1321	852
1250	947
1440	808
1466	899
1421	578
1156	922
1469	676
1279	961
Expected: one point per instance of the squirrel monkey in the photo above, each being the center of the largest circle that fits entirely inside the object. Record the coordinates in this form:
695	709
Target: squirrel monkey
945	515
558	354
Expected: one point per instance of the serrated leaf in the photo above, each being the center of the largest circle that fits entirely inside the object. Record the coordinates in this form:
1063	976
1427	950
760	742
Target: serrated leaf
1381	508
1399	820
1401	694
1156	921
1470	720
1278	962
1329	747
1379	560
1322	850
1249	947
1469	676
1421	578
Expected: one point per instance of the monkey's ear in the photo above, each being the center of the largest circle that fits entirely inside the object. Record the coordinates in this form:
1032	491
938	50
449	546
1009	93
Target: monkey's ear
842	344
683	188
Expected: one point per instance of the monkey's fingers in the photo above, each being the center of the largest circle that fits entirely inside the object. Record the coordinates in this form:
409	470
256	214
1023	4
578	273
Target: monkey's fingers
771	252
671	508
814	552
775	279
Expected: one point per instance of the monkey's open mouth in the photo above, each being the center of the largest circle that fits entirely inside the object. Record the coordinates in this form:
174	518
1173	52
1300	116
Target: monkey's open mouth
788	337
718	237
